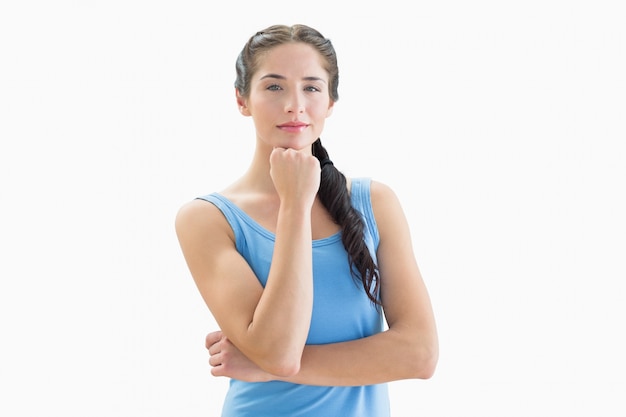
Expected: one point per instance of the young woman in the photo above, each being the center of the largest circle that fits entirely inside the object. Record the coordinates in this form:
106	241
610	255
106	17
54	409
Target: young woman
300	266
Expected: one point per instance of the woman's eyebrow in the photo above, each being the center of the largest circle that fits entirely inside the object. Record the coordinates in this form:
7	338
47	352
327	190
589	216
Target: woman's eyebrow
282	77
314	79
279	77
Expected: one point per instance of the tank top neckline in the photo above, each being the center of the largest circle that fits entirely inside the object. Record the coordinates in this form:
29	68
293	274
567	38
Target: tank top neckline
262	230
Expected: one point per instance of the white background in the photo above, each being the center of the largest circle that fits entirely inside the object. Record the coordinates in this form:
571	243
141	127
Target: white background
500	125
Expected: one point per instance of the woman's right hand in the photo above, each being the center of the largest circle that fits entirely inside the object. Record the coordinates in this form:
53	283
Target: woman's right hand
226	360
296	175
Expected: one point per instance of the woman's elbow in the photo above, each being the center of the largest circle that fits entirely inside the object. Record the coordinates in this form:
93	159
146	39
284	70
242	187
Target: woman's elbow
427	369
282	366
424	362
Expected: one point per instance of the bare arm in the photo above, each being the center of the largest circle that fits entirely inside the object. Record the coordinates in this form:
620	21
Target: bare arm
268	325
408	349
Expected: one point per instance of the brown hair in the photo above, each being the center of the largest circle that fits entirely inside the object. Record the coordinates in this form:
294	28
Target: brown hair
333	192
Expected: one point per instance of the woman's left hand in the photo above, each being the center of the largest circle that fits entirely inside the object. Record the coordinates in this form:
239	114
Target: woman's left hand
226	360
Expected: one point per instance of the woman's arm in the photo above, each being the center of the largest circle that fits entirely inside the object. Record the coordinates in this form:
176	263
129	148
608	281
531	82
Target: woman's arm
269	325
408	349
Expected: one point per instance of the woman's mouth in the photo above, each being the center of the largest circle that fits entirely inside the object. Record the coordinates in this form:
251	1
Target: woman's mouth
293	127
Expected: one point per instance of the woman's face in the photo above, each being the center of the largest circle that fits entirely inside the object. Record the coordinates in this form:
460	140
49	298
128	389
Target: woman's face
289	97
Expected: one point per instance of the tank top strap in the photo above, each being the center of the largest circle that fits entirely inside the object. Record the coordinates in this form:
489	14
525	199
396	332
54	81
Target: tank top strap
361	200
233	214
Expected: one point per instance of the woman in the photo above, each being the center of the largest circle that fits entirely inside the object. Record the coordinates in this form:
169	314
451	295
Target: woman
299	265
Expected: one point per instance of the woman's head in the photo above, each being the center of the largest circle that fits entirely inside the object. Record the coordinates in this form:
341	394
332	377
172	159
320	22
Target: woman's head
333	192
249	58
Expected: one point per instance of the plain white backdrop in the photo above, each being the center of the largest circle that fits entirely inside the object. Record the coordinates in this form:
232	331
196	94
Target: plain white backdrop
501	126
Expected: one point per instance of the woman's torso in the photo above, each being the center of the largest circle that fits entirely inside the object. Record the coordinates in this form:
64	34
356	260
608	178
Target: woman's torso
341	310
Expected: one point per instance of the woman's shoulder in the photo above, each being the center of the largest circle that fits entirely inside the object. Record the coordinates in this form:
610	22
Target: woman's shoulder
385	203
379	191
198	208
200	217
204	209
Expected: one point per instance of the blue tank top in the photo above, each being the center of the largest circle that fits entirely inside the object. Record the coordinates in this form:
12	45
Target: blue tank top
341	312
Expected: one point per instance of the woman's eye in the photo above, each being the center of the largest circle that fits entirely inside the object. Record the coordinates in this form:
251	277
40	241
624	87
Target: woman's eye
312	88
273	87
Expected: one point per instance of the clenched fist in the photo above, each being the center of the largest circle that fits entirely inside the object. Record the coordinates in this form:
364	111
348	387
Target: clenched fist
296	175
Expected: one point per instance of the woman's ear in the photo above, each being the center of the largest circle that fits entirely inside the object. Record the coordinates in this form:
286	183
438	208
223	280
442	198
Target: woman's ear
241	104
331	106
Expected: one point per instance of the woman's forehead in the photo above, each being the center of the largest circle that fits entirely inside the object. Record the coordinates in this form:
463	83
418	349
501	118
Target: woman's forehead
292	58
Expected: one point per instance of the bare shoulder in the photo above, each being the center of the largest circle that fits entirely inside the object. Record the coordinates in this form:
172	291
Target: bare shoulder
195	211
388	210
200	218
381	190
384	198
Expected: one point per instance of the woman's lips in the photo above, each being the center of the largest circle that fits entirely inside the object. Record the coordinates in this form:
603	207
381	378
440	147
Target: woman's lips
293	127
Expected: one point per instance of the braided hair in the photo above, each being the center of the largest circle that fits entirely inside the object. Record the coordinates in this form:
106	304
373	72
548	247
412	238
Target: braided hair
334	196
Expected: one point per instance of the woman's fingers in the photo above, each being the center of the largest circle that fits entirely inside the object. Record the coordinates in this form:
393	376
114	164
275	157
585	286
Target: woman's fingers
215	360
212	338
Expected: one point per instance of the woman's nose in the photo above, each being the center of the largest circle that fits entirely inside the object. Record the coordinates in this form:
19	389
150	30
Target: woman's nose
294	103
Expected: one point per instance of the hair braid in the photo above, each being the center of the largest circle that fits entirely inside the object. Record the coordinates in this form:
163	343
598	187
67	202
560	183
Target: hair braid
333	194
